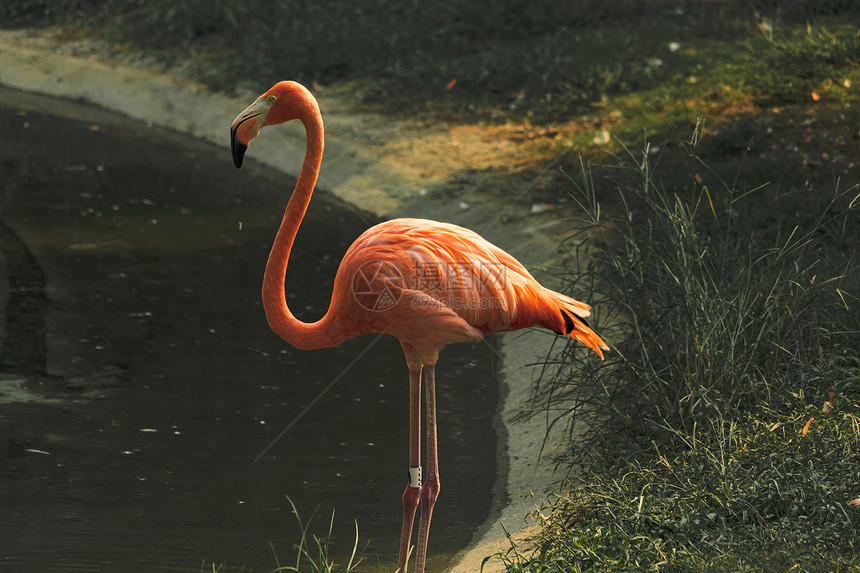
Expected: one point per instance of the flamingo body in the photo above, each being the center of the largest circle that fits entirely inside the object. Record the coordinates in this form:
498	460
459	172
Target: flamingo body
427	283
431	284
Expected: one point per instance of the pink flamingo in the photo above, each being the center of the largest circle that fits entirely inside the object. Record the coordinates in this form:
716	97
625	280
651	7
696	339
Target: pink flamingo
427	283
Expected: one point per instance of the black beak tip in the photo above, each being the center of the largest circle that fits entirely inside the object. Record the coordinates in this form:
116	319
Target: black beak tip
238	153
238	148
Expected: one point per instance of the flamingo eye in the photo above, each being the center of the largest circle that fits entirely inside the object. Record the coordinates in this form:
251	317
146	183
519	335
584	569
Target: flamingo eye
272	98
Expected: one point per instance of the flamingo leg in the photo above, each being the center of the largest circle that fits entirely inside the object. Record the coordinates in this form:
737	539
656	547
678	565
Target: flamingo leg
413	488
430	488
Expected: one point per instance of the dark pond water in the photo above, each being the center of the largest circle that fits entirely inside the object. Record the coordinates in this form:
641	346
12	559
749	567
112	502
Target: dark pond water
138	377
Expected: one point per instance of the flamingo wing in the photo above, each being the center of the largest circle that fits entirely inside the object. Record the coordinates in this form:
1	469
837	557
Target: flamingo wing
461	285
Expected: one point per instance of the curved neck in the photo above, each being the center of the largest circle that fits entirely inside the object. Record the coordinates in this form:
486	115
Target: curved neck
300	334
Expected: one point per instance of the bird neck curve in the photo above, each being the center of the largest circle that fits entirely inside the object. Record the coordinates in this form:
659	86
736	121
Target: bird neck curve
299	334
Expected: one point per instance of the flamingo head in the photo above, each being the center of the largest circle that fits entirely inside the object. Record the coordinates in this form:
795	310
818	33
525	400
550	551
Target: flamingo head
285	101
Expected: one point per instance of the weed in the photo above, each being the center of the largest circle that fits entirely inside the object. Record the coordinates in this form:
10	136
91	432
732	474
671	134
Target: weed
314	552
730	326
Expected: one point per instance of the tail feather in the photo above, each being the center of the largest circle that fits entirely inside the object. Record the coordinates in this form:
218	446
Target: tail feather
569	324
573	323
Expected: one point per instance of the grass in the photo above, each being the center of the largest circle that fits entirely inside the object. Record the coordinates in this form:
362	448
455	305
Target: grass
539	60
726	421
750	497
312	551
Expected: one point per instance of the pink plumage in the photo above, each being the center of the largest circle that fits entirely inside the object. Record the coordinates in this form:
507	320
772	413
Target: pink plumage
431	284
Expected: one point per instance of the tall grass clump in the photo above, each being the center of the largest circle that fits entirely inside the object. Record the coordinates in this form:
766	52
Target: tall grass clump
719	300
726	421
313	552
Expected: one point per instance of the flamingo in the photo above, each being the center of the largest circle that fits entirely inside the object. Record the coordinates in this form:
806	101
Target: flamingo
428	284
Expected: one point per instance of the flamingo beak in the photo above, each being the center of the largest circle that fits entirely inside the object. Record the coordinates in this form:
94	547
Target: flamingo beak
245	127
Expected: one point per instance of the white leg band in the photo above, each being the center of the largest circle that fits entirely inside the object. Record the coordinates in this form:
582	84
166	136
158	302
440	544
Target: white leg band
415	476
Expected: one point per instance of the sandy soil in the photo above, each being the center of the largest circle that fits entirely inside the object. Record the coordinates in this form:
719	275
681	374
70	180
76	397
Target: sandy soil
390	168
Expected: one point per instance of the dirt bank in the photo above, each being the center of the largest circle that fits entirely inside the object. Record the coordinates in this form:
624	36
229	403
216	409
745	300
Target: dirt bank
391	168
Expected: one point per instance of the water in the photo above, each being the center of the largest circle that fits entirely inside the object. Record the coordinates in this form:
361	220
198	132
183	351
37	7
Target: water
138	377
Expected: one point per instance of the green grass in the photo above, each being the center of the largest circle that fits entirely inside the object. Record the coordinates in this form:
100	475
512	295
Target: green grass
540	60
733	315
754	496
312	551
